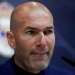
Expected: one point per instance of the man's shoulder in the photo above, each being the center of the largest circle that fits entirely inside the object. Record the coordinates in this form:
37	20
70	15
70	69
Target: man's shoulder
7	68
57	71
0	68
7	63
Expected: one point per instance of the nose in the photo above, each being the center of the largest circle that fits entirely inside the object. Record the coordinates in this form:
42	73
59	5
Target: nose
41	40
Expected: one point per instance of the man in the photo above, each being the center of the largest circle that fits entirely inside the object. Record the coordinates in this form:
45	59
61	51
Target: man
32	37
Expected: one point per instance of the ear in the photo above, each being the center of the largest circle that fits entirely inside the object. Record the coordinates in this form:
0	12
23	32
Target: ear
10	38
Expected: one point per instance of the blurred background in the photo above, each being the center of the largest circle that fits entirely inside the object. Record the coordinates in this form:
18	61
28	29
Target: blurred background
64	21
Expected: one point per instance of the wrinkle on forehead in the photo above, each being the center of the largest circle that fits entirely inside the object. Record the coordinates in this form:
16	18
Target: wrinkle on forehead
22	12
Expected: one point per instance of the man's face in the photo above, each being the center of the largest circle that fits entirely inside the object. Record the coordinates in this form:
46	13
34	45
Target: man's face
35	41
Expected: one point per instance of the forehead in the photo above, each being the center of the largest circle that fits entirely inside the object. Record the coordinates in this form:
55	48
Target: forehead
40	15
36	18
40	18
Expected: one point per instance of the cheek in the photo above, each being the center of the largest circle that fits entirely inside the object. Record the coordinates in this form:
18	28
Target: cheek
27	43
51	41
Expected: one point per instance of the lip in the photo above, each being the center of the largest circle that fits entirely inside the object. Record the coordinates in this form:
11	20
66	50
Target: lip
40	52
39	55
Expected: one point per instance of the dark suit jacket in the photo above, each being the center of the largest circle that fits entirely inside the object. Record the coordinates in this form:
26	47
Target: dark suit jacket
8	69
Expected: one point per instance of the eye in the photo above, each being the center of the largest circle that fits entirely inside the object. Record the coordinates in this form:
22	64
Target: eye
31	32
47	32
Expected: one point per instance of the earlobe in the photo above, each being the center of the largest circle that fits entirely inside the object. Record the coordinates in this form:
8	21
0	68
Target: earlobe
10	38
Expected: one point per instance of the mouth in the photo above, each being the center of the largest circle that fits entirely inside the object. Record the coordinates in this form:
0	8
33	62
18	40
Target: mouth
39	55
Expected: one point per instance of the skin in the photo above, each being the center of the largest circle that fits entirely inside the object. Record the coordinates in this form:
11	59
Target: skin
32	36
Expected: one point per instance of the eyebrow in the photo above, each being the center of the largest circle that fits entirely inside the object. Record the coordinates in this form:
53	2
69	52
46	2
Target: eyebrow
50	27
30	27
34	28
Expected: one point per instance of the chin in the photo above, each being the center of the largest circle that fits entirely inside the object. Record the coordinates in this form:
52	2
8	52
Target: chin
41	65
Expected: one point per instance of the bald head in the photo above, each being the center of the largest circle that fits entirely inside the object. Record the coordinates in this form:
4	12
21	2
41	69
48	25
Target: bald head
32	36
21	13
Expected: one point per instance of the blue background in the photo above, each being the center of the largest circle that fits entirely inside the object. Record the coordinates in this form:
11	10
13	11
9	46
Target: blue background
64	21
